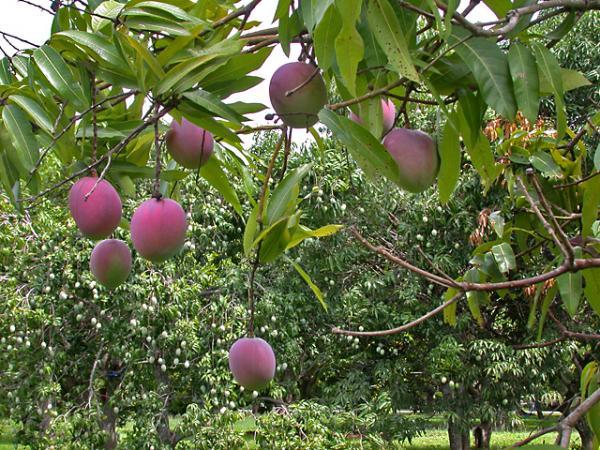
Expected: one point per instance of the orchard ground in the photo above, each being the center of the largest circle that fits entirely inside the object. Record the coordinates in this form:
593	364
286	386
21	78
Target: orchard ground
435	438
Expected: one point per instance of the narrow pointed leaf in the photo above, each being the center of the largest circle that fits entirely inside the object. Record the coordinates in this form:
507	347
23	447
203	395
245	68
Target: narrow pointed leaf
489	66
523	71
310	283
386	27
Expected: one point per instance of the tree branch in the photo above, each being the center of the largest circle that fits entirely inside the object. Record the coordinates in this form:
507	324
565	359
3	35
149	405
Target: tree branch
404	327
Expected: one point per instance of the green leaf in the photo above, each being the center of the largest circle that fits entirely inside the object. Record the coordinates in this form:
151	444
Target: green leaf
288	28
303	233
349	47
250	231
475	298
274	240
143	53
204	120
449	148
544	162
95	45
570	286
597	157
167	9
59	75
505	257
451	7
525	79
550	69
497	222
35	111
213	104
6	75
572	79
310	283
324	37
106	11
589	210
368	152
499	7
22	137
483	160
313	12
386	27
212	171
548	299
563	28
236	68
489	66
592	288
185	68
285	193
450	311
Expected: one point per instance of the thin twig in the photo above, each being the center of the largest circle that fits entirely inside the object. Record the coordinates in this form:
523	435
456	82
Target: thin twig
263	193
12	36
113	151
121	97
559	233
157	163
94	126
543	220
304	83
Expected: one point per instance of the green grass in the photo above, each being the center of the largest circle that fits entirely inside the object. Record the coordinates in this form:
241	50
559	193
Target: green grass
438	440
435	438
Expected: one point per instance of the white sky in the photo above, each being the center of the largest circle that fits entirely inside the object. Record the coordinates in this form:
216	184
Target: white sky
34	25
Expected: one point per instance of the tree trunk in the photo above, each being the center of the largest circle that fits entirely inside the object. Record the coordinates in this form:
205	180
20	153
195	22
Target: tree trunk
586	435
46	417
165	434
483	435
109	418
459	438
538	409
109	426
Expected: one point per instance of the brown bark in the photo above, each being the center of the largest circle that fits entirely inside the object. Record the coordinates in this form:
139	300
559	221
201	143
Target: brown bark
483	435
165	434
458	437
586	435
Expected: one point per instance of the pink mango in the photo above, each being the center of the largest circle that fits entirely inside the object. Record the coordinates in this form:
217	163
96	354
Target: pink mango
252	363
99	215
158	229
188	144
110	262
416	155
300	109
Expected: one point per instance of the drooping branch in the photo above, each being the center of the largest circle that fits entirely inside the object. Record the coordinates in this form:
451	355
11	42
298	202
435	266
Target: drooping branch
514	15
565	426
404	327
578	264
